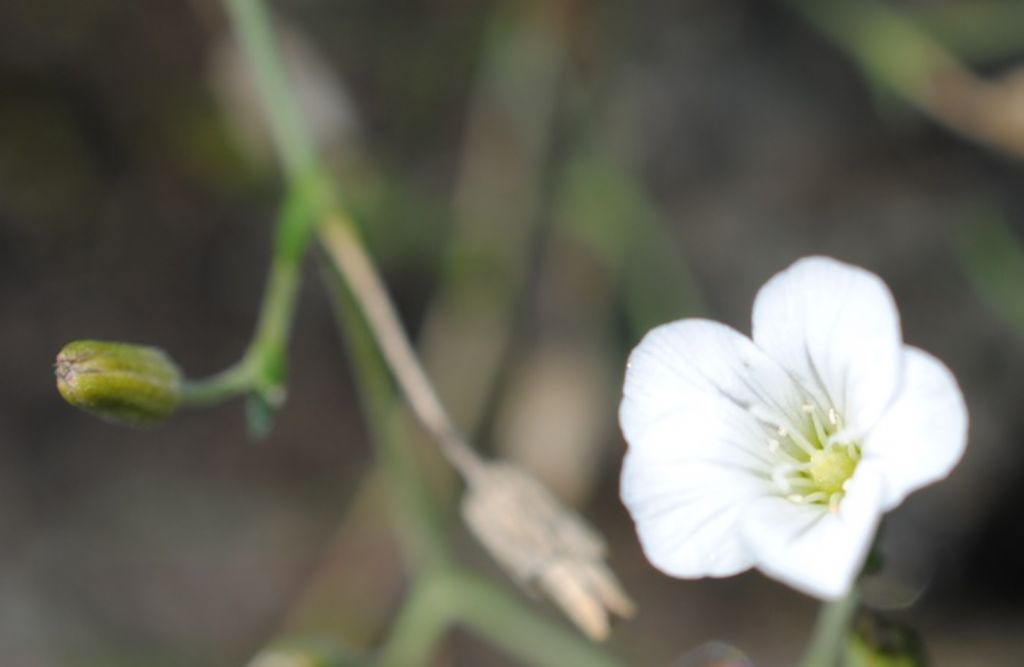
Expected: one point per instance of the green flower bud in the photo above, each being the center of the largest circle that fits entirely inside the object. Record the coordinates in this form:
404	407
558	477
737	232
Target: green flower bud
879	642
119	382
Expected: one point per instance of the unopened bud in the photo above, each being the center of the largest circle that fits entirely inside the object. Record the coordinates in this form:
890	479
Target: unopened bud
545	546
119	382
879	642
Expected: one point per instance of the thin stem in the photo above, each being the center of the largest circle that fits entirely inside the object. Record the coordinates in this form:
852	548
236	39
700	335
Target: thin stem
419	529
891	49
252	27
262	369
233	381
420	625
458	597
486	609
349	258
831	631
338	236
491	613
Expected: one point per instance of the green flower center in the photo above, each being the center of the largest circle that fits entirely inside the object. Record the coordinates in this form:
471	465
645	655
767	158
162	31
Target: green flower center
830	468
813	463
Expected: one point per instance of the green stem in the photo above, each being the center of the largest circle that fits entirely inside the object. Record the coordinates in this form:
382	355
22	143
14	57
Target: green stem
414	511
420	625
233	381
492	613
262	369
831	631
252	27
446	598
893	50
440	596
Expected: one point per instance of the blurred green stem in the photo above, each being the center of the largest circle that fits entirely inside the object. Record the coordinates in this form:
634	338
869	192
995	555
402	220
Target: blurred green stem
413	509
893	51
294	145
263	367
831	631
493	614
457	597
420	625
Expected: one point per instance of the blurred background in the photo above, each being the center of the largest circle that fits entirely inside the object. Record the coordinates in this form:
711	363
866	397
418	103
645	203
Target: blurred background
540	183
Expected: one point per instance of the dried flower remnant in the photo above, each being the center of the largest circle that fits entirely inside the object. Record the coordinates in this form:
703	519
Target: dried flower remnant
545	546
120	382
782	452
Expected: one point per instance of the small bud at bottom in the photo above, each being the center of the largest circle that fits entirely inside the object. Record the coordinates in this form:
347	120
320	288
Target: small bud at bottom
119	382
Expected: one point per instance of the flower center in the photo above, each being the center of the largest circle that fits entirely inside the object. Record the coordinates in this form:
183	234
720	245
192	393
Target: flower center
830	468
811	462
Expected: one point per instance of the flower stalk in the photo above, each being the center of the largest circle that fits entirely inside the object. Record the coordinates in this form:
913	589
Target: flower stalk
339	239
831	631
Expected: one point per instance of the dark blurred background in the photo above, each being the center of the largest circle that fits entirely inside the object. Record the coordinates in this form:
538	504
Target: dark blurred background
540	182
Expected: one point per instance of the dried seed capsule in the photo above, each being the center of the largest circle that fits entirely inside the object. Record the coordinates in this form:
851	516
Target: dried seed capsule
119	382
545	546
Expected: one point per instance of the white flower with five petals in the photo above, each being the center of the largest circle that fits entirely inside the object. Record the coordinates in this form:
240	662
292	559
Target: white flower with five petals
783	452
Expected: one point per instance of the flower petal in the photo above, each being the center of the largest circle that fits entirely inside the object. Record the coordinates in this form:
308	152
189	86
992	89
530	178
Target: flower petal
697	455
810	548
835	327
706	376
687	513
922	436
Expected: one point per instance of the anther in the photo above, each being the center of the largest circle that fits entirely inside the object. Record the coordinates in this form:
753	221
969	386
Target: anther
833	416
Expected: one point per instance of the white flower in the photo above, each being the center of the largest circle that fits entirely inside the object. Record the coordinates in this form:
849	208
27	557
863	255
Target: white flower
782	452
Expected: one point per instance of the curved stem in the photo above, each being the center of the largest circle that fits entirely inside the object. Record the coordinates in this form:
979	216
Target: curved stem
420	625
262	370
490	612
231	382
349	258
293	143
831	631
413	510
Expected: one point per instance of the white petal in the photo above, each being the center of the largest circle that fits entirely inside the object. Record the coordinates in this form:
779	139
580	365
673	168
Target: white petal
703	372
922	436
836	328
816	551
697	455
687	514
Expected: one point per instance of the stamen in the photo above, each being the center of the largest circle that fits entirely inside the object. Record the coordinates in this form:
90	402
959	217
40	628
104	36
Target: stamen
833	501
779	476
819	428
833	417
816	497
803	443
779	421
